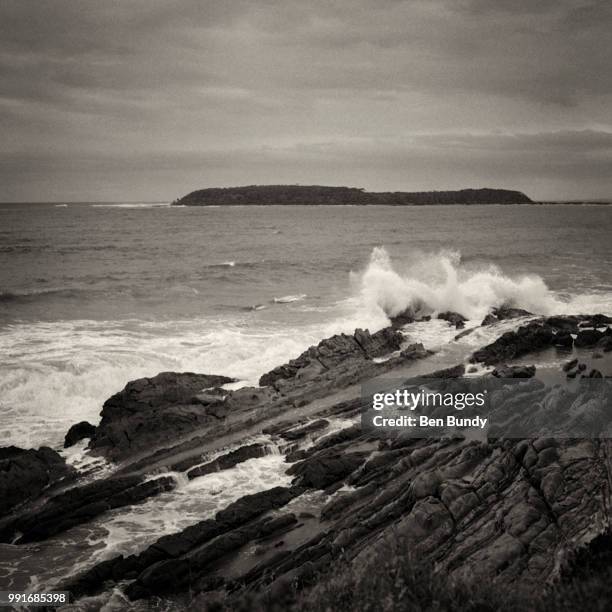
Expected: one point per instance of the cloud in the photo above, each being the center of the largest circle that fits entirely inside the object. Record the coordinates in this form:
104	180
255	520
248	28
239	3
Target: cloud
145	79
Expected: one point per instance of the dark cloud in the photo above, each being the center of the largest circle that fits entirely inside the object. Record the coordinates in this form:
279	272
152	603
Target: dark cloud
146	98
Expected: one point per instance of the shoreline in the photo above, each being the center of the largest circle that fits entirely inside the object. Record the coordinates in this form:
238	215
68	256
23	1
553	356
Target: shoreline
293	408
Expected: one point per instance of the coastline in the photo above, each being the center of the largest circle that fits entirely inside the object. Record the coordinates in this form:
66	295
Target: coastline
295	409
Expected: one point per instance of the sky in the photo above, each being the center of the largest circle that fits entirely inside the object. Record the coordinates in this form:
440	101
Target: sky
147	100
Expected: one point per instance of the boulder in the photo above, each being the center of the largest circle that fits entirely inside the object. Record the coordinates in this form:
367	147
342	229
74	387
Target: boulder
564	339
588	338
229	460
514	371
25	474
503	313
148	409
80	504
403	318
530	338
79	431
454	318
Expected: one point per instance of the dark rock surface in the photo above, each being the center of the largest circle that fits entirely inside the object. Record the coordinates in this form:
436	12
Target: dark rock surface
454	318
588	338
229	460
25	474
503	313
79	505
79	431
335	352
532	337
403	318
514	371
134	418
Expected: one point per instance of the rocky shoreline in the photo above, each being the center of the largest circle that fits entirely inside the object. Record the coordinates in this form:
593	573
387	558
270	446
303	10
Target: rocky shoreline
514	511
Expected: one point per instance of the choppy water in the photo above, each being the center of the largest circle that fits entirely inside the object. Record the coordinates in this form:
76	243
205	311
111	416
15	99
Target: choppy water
92	296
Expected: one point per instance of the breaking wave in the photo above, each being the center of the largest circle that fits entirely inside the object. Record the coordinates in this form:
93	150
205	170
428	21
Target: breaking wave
288	299
441	282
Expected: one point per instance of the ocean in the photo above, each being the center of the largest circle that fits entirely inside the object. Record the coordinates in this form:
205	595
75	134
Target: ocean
95	295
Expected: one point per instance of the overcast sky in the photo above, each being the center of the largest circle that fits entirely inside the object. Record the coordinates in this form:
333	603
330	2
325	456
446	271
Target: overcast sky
150	99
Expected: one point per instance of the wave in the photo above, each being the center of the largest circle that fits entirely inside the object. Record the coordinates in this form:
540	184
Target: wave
440	282
288	299
33	294
132	205
56	374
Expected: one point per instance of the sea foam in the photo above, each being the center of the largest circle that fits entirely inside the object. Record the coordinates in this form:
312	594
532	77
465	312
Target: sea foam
434	283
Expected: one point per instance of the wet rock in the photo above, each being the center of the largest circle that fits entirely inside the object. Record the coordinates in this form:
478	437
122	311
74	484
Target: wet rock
403	318
588	338
570	365
251	506
532	337
454	318
605	343
25	474
80	505
79	431
338	351
503	313
514	371
320	472
140	416
464	333
302	432
229	460
597	320
490	319
567	324
415	351
563	339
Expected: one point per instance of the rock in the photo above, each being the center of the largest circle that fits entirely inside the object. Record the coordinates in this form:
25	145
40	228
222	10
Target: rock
320	472
302	432
532	337
415	351
514	371
81	504
454	318
489	320
503	313
25	474
251	506
570	365
139	417
79	431
598	320
568	323
588	338
338	352
464	333
225	462
563	339
605	343
403	318
381	343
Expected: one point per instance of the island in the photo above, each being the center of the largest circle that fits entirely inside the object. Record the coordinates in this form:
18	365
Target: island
292	195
